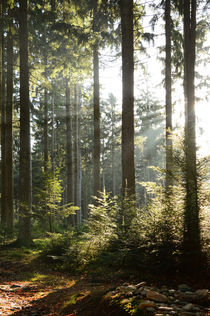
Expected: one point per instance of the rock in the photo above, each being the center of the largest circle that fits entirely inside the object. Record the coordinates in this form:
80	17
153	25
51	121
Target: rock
155	296
129	294
139	291
184	288
165	308
188	307
126	289
196	297
171	291
188	297
163	289
202	294
141	284
171	298
187	314
146	304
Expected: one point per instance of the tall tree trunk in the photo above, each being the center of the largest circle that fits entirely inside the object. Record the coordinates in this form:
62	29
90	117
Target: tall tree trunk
8	129
76	170
53	134
3	118
45	130
69	148
128	164
97	144
192	245
113	152
168	96
77	173
24	235
79	213
103	169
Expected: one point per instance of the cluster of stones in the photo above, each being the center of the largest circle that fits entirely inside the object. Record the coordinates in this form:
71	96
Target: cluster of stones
164	301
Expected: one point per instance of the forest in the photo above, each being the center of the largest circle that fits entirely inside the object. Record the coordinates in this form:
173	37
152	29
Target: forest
105	157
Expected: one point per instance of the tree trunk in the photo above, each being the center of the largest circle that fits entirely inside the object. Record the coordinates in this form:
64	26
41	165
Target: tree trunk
8	129
45	130
128	164
3	118
192	245
53	135
113	152
76	169
97	145
24	235
69	149
79	212
168	96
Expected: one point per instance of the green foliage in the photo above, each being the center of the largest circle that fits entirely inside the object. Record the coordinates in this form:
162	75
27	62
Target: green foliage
49	196
56	244
48	199
5	235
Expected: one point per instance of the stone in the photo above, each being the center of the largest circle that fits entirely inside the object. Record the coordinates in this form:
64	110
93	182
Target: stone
188	307
165	308
129	294
146	304
138	291
204	293
184	288
142	292
126	289
171	298
164	289
172	291
155	296
187	314
141	284
189	297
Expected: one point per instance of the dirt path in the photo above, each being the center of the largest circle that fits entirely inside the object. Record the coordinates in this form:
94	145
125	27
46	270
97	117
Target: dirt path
29	287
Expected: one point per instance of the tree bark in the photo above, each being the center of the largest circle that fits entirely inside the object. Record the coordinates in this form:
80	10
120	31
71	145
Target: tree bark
192	245
53	135
113	150
79	212
8	129
24	235
69	150
3	119
45	130
128	164
97	144
76	153
168	96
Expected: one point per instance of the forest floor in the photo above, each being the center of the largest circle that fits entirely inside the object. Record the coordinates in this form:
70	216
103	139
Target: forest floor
31	286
